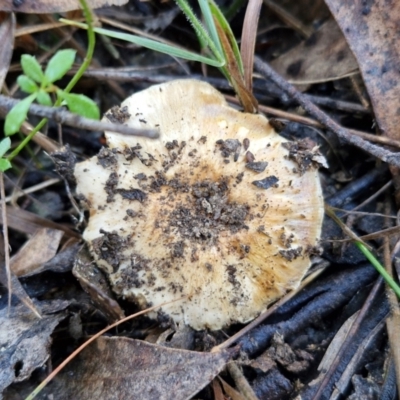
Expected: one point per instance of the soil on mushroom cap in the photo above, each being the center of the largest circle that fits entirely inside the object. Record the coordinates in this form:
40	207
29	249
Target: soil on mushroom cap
204	212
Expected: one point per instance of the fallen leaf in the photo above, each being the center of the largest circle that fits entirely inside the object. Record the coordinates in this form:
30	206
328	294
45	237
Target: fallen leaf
371	30
51	6
28	223
7	29
324	56
14	284
123	368
231	392
25	340
41	247
63	261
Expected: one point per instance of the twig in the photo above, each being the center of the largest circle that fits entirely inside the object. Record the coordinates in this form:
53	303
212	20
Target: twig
353	330
5	236
313	123
289	19
387	156
63	116
241	382
32	189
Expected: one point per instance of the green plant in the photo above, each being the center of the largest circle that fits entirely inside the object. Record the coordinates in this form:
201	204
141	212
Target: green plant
216	40
365	250
40	85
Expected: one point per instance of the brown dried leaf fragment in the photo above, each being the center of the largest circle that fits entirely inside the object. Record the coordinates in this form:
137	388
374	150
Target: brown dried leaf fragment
122	368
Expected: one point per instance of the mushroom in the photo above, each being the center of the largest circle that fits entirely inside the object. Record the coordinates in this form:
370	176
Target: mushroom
214	210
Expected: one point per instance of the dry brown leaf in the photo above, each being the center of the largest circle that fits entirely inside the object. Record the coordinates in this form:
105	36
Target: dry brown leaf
372	32
16	288
50	6
324	56
231	392
41	247
27	222
63	261
7	28
216	386
123	368
25	341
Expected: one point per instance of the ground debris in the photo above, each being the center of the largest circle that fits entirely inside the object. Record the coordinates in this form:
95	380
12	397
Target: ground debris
305	154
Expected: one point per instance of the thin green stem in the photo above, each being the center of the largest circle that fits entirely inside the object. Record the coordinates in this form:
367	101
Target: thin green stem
72	83
210	24
379	267
89	54
28	138
199	29
363	247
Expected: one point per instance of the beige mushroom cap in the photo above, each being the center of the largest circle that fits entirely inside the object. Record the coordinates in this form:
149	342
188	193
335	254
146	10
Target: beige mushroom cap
215	209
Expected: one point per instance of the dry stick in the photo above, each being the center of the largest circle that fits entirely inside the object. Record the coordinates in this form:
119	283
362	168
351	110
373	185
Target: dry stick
5	236
289	19
384	233
63	116
315	124
383	154
23	192
241	382
374	196
268	312
353	330
40	138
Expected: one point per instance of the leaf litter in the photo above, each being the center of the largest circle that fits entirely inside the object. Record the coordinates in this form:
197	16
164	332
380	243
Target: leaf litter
133	369
371	35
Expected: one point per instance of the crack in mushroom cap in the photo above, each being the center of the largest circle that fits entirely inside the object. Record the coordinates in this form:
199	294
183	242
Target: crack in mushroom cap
183	215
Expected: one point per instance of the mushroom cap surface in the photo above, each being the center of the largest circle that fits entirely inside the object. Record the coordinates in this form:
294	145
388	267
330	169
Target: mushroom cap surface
215	209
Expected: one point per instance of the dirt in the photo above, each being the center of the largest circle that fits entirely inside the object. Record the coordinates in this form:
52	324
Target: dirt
118	114
207	213
109	247
107	158
304	153
267	182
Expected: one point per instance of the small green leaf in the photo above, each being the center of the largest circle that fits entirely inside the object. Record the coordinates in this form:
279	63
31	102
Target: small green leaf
5	145
32	68
27	84
17	115
4	164
44	98
80	104
59	65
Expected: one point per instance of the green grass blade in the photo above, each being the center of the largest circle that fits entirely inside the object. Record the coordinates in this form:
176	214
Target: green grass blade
202	34
217	13
151	44
379	267
209	22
